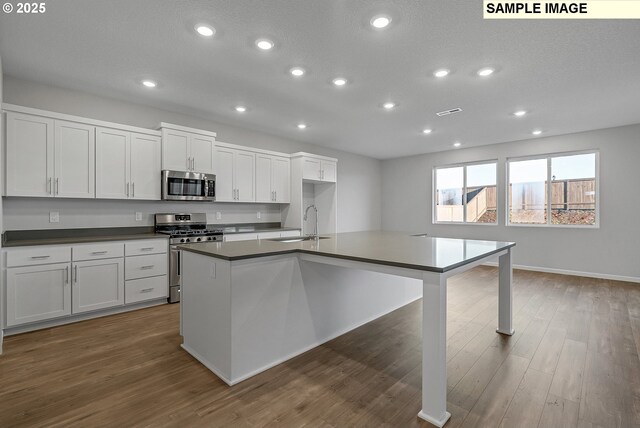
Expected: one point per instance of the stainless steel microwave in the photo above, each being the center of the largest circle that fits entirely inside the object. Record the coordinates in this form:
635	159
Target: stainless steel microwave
188	186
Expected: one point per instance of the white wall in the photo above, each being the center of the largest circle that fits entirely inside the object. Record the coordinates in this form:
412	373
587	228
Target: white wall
359	177
613	249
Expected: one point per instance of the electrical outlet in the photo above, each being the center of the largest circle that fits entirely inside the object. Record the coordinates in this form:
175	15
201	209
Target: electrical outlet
258	215
54	217
218	215
138	216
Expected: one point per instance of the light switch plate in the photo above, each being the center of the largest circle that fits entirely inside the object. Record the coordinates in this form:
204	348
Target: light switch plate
54	217
138	216
258	215
218	215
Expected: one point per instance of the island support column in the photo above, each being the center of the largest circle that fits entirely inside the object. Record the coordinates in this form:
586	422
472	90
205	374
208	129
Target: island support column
505	277
434	349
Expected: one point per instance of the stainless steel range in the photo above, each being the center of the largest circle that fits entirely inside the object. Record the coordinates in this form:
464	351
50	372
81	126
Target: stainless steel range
183	228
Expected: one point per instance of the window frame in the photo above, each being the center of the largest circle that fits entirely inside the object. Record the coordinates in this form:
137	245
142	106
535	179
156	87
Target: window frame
434	191
548	157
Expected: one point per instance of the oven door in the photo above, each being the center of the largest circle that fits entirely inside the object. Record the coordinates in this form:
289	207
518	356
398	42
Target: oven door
187	186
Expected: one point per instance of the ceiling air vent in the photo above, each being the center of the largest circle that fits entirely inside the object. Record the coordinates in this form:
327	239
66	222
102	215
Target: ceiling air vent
447	112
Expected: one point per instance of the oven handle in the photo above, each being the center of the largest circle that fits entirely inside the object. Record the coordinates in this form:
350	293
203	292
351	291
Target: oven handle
179	262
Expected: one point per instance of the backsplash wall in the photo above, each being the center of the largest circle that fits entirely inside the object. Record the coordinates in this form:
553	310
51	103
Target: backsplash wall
33	213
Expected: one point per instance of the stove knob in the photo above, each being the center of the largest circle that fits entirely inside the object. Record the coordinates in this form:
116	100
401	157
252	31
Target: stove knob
182	240
188	240
198	240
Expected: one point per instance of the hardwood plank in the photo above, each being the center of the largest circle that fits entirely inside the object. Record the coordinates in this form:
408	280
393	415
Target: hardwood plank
559	412
529	400
548	352
567	380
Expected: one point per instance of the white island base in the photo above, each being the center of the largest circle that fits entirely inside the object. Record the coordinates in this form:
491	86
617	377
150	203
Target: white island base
243	316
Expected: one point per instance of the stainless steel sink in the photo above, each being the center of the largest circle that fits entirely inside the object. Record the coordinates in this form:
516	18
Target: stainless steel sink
297	239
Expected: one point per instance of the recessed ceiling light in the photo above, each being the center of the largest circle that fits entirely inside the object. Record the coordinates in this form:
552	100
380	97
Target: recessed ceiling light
520	113
339	81
484	72
456	144
241	109
388	105
380	21
302	126
297	71
441	73
264	44
427	131
537	132
149	83
205	30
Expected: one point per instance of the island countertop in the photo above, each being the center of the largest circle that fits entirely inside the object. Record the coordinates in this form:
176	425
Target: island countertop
386	248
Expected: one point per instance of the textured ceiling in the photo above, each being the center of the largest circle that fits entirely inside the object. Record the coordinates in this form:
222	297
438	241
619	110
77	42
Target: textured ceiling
570	75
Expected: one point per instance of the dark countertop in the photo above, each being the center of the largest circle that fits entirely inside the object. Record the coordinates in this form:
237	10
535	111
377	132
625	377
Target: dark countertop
230	229
23	238
385	248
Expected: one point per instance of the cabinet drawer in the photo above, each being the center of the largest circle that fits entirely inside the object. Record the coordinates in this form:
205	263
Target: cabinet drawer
149	246
240	237
138	290
268	235
289	233
38	256
96	251
145	266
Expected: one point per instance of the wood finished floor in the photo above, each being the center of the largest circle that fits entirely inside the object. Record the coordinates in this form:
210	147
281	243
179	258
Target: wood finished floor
573	361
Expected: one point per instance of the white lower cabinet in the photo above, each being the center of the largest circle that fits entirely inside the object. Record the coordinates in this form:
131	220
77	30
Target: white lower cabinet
36	293
49	282
97	284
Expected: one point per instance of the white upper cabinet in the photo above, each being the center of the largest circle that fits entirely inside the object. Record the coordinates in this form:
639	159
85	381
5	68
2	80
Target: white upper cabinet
145	166
186	149
235	175
47	157
272	178
112	164
74	160
319	169
127	165
264	191
29	155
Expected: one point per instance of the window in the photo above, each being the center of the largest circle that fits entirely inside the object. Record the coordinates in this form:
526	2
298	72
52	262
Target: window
465	193
553	190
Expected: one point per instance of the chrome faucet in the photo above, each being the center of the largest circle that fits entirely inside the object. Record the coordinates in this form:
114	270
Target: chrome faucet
315	232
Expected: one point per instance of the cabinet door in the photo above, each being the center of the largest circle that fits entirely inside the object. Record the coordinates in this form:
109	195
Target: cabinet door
244	169
329	171
145	167
36	293
29	155
175	150
311	169
97	284
74	160
240	237
202	153
224	174
264	187
281	181
112	164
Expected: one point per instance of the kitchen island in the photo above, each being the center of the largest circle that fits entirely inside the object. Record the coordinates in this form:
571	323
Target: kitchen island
248	306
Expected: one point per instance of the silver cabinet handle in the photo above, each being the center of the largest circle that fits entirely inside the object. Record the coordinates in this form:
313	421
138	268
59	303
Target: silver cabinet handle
193	164
49	186
146	249
97	253
238	193
188	163
75	268
127	189
147	267
147	290
39	257
133	189
57	186
275	196
66	275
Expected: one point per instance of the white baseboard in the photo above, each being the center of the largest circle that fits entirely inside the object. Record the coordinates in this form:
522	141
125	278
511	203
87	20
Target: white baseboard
9	331
573	272
207	364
